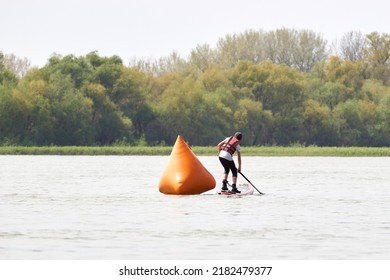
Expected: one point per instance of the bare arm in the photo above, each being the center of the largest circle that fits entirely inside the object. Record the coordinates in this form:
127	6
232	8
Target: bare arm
239	161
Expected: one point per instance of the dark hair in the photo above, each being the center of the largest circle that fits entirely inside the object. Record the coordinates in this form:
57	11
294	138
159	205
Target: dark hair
238	135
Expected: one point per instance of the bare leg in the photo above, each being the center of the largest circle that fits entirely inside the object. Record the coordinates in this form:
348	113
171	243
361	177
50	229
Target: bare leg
225	176
234	187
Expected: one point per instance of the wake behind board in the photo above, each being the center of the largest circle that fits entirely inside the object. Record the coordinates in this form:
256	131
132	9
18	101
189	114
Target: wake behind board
245	189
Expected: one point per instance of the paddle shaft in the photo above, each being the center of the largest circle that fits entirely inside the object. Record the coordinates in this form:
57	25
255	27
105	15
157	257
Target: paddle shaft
250	182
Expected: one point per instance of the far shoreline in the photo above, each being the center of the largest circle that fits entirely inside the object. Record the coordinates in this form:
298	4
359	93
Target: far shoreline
198	150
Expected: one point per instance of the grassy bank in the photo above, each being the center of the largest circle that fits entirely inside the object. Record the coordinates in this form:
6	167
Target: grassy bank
200	151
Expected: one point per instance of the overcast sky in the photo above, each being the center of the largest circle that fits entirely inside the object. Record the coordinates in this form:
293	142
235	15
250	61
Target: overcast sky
36	29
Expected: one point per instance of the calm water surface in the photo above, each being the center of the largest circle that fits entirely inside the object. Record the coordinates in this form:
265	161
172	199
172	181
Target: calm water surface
109	207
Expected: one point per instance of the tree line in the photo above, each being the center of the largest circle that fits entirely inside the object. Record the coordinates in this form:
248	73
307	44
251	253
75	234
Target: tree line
279	87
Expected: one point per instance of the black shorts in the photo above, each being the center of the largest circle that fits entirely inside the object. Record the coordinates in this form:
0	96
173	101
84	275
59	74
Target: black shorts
228	165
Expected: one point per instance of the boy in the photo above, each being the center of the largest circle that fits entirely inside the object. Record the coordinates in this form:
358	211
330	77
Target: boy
226	149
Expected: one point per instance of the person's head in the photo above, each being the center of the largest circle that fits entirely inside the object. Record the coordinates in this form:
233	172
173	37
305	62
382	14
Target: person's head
238	135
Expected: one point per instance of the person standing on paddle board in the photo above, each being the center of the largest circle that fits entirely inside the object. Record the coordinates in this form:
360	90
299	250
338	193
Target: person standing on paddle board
226	149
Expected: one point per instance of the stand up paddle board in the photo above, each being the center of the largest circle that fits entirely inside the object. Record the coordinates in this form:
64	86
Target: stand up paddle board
245	189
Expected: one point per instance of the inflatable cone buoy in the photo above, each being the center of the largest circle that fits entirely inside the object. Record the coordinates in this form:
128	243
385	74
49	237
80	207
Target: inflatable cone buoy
184	173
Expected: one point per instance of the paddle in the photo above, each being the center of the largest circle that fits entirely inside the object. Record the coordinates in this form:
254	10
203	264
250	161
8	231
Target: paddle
250	182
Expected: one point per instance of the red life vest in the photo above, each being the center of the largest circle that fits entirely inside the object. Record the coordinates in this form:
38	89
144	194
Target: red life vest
231	145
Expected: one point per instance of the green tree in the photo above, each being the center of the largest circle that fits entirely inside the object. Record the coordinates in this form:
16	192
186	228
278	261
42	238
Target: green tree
378	53
254	122
76	67
355	119
71	112
381	134
41	122
317	124
12	117
280	89
336	81
107	71
330	94
109	123
348	73
6	76
374	90
128	95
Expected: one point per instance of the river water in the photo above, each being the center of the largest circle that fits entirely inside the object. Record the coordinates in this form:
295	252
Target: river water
109	207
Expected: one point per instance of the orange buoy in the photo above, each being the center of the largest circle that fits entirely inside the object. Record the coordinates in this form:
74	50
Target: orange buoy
184	173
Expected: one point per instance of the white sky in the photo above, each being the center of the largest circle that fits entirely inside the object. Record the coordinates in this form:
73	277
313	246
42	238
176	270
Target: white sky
36	29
